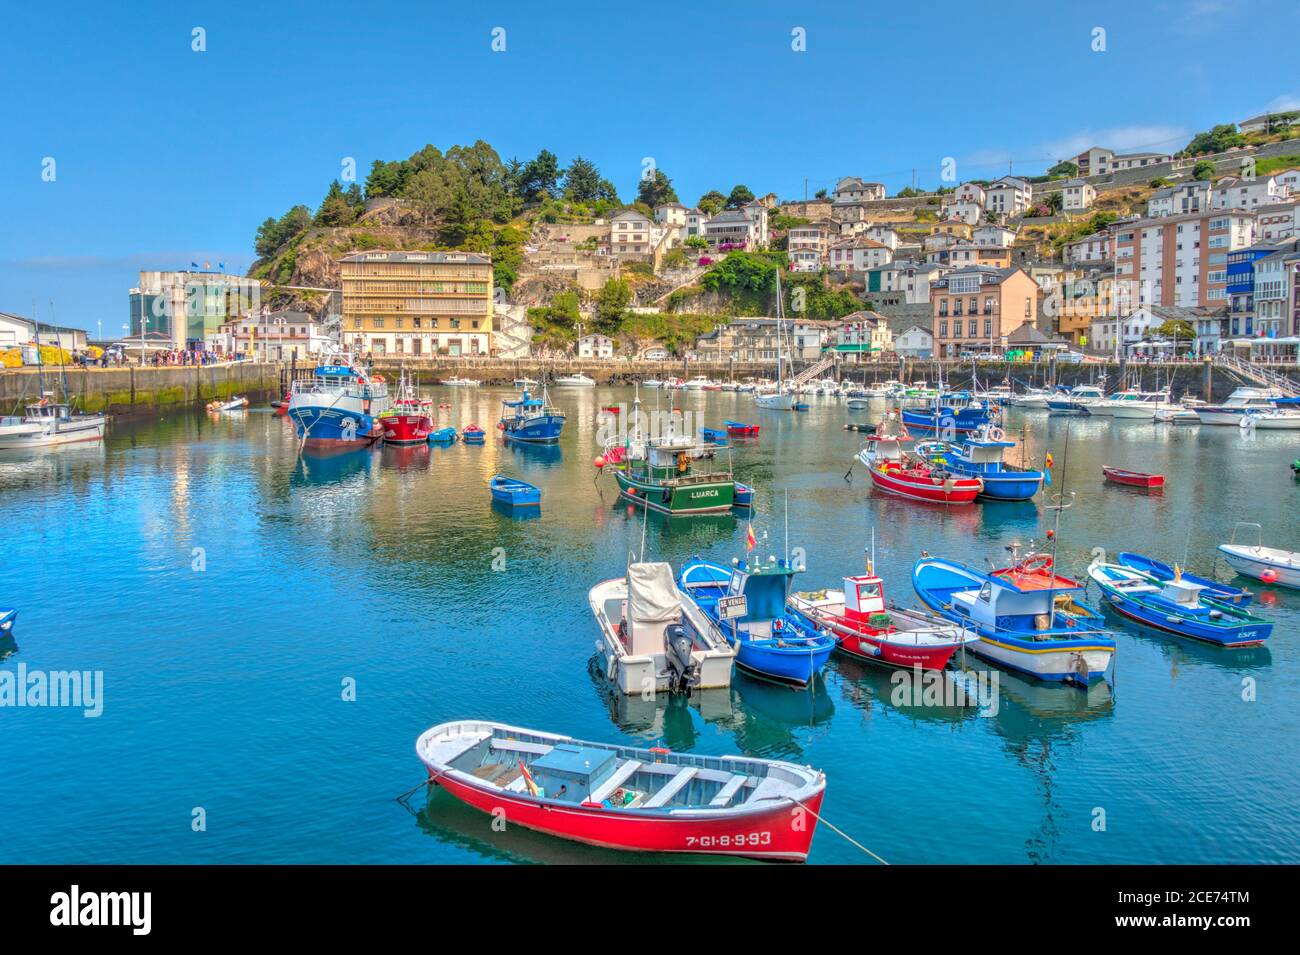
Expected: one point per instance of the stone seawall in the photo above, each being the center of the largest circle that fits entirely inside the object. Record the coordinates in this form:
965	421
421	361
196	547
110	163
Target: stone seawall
139	391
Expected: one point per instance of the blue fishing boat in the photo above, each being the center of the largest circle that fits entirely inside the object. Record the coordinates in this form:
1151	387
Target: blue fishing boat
981	455
443	436
747	603
1027	616
744	496
515	493
1178	606
714	435
531	420
8	616
339	406
1162	571
957	412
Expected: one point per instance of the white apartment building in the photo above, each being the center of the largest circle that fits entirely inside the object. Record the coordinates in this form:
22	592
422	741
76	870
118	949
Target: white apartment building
853	189
911	279
859	254
805	260
1179	200
631	233
998	235
598	347
884	235
962	210
1233	193
1179	260
1280	221
970	192
1008	196
1077	195
1091	248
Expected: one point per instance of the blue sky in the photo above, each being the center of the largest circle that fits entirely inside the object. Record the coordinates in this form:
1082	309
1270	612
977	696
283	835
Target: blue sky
164	155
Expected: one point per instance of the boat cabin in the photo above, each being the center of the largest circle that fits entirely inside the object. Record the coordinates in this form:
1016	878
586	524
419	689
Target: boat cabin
572	772
49	411
864	598
765	588
1013	600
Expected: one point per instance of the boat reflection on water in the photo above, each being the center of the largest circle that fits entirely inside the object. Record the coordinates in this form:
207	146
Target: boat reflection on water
867	686
331	465
8	646
510	512
451	822
405	457
541	453
1035	719
1181	652
763	716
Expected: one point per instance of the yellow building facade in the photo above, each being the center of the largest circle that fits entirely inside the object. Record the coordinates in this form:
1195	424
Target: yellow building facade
417	304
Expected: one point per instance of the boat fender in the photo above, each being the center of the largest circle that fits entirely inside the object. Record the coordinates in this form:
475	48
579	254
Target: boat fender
659	751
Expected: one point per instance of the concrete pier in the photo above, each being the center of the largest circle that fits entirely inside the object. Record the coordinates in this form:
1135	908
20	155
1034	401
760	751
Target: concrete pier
138	391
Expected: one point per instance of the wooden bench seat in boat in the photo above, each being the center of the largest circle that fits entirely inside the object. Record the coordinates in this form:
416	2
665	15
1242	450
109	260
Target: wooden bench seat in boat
769	788
672	787
728	790
499	774
520	746
619	777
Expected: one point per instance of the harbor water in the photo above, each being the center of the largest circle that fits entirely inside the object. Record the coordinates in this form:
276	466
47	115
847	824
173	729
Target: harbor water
274	629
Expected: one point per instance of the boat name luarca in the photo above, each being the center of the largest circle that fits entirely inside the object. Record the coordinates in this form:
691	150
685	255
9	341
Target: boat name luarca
699	495
79	689
917	687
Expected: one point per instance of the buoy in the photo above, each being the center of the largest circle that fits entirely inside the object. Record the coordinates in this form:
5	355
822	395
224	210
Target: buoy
600	461
1268	575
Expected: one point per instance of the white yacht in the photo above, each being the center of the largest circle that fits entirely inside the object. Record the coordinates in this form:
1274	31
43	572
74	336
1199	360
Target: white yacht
578	380
1241	402
1138	405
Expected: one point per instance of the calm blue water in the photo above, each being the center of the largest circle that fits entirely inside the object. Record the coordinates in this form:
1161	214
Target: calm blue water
223	686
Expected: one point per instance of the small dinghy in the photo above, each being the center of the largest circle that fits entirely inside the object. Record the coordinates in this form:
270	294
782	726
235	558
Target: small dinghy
473	434
1178	606
1162	571
443	436
741	430
238	403
1132	478
714	435
626	797
1272	565
515	493
860	427
744	496
8	615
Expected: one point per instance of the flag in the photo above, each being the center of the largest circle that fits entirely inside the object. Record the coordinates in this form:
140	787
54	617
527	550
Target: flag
1047	468
207	265
194	265
222	266
750	540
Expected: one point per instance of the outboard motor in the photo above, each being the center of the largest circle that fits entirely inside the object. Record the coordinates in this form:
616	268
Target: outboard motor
684	673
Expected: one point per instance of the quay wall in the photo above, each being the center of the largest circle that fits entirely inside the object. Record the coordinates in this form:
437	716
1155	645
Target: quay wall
140	391
1212	384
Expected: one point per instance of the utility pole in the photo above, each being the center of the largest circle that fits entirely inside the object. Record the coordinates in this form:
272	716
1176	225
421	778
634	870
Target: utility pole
805	188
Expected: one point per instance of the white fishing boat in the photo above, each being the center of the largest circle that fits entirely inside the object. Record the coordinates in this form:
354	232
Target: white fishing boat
522	383
698	383
1134	405
1239	403
652	383
461	382
1272	565
577	380
652	638
48	423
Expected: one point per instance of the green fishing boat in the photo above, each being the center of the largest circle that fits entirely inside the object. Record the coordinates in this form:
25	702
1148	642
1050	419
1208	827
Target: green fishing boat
673	474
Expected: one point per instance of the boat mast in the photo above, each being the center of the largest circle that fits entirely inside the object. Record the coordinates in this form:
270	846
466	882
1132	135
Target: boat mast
1059	506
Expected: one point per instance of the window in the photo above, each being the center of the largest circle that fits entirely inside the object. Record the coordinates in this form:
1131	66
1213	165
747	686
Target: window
1029	308
973	328
943	329
988	306
988	328
956	306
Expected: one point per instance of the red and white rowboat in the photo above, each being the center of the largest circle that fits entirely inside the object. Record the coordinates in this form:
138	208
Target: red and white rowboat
921	482
866	629
623	797
1132	478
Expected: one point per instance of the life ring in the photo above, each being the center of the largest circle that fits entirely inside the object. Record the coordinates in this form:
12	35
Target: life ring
1034	563
996	434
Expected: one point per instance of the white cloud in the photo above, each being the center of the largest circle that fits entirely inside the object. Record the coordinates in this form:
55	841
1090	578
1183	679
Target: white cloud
1283	103
1140	138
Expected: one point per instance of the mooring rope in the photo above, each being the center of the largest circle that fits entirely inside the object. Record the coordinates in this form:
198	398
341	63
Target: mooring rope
843	835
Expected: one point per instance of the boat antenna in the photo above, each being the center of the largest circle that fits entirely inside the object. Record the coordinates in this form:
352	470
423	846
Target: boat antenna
63	371
1058	507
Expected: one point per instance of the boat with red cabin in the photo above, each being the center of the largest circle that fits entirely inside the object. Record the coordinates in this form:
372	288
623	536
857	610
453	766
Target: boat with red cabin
867	628
626	797
1132	478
